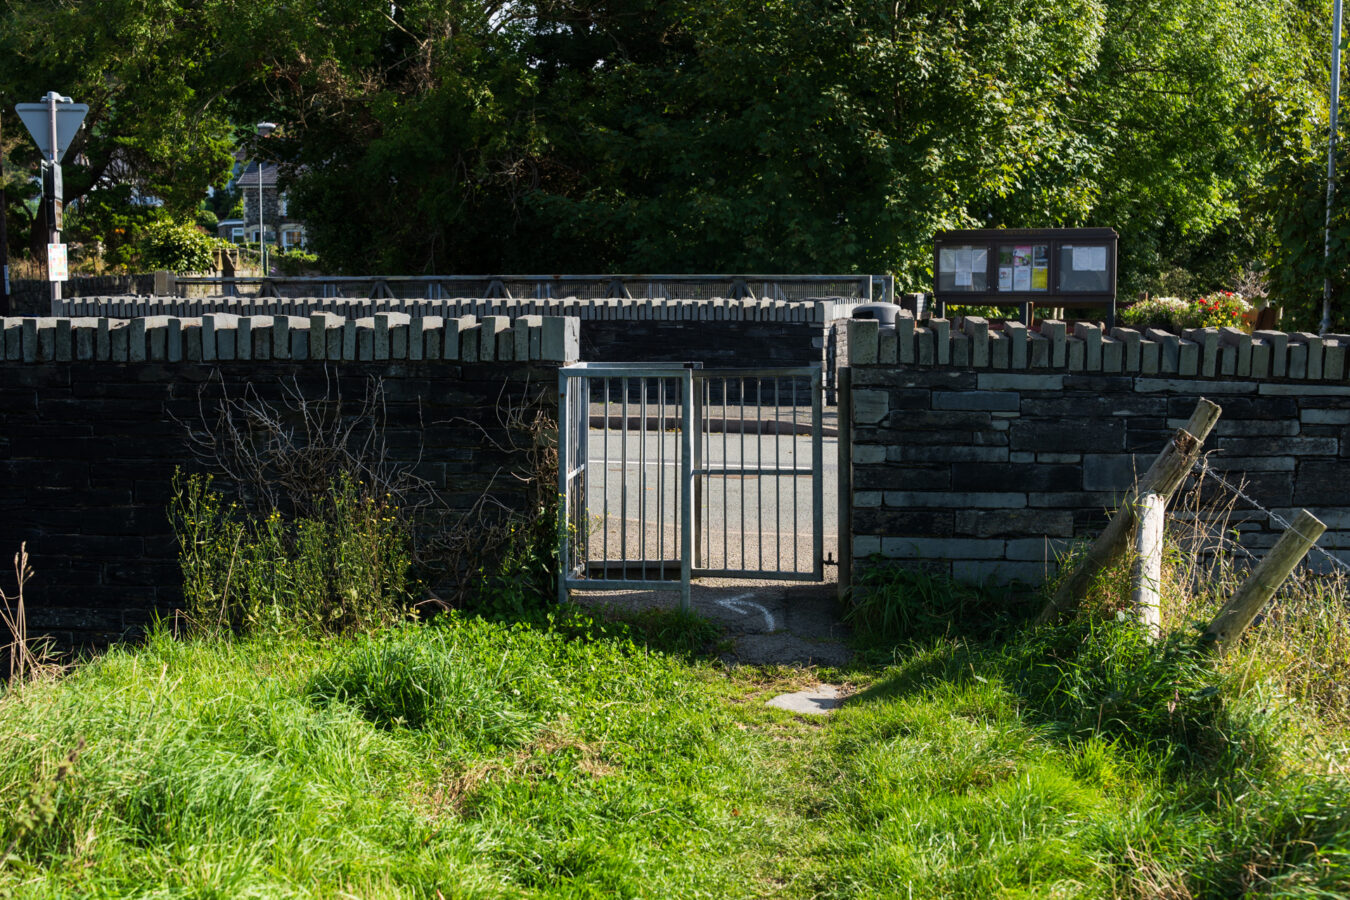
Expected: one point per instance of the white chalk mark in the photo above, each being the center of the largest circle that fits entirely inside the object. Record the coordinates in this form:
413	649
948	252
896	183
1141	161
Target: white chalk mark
738	604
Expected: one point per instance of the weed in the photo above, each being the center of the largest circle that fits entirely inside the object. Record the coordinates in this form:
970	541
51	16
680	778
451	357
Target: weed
893	603
28	658
344	567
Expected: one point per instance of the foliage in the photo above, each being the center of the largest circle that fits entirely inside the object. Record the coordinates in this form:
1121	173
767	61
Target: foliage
1222	308
342	567
695	136
1170	313
892	603
158	130
177	246
293	262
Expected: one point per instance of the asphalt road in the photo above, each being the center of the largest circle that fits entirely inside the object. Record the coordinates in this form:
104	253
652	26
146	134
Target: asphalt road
753	518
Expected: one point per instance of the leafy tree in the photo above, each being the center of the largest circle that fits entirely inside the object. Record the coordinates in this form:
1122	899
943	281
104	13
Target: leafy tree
157	127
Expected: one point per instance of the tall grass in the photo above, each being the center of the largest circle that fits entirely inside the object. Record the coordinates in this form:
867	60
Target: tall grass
345	566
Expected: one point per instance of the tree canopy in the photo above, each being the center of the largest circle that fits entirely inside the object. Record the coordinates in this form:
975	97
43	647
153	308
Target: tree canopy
689	135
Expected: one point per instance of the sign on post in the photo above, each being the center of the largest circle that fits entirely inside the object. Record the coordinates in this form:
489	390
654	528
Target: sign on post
53	123
58	268
37	117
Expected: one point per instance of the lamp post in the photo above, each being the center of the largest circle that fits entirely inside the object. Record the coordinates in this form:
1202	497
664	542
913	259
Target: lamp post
264	129
1331	159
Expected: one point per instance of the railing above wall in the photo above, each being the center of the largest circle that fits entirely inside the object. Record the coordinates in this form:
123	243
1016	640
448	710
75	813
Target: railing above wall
632	287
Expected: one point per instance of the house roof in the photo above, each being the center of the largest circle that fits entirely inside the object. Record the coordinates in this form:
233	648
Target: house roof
249	177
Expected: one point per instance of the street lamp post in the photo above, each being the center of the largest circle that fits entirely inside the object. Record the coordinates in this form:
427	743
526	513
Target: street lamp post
1331	159
264	129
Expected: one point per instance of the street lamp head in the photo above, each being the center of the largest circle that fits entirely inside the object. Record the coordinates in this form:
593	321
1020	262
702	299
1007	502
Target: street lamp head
266	128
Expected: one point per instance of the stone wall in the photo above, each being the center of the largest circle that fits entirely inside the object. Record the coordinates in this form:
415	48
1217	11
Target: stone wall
717	333
984	453
95	416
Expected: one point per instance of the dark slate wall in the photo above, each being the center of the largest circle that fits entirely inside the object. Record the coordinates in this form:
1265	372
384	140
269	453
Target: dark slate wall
987	475
87	452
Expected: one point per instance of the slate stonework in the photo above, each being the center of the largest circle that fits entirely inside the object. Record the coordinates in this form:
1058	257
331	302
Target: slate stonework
986	473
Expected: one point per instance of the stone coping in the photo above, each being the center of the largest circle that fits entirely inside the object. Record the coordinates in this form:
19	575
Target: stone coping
1088	347
320	336
816	311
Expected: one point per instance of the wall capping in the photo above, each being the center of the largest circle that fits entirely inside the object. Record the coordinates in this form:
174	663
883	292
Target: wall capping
222	337
815	310
1199	353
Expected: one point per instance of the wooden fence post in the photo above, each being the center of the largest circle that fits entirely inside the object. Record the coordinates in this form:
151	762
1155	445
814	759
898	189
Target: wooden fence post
1169	469
1147	570
1264	580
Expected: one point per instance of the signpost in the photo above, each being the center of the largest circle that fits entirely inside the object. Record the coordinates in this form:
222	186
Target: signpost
53	123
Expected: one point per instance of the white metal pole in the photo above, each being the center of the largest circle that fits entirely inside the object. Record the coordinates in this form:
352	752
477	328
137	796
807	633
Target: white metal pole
53	235
1331	159
262	233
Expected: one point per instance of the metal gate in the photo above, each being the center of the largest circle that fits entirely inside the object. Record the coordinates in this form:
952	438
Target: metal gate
673	472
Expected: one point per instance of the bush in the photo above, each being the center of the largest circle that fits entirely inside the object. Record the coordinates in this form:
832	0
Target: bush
345	567
176	246
294	262
1223	308
1171	313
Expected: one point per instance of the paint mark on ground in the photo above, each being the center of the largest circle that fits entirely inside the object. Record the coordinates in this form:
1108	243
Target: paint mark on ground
739	603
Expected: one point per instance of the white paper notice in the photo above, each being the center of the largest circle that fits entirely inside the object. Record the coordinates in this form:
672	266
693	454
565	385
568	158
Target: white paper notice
1021	279
946	260
963	261
962	279
979	260
1005	278
1089	259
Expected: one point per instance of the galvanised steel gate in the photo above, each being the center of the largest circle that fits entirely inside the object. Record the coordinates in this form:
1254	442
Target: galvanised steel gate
669	473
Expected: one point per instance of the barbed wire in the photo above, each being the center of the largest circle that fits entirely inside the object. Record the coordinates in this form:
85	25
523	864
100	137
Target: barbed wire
1202	469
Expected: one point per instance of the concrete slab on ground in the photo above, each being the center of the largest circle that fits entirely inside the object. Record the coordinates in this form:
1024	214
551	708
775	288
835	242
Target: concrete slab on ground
820	700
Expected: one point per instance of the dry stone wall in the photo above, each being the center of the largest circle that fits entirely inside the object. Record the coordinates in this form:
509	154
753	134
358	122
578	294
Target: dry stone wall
983	453
94	414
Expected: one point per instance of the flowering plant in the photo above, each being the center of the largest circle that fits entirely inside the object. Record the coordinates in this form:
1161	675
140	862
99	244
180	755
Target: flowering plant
1212	310
1220	309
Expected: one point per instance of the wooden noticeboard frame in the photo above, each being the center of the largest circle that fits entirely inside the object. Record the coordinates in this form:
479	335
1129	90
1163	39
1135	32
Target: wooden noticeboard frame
1026	267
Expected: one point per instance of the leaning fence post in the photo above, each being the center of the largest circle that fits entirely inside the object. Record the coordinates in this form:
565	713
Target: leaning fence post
1147	569
1264	580
1169	469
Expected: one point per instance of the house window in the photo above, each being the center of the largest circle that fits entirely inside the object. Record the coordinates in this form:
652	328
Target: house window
237	234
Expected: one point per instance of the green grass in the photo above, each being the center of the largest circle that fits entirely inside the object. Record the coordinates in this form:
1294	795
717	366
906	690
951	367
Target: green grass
600	758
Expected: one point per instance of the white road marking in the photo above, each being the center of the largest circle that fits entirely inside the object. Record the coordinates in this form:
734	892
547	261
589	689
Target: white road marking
737	604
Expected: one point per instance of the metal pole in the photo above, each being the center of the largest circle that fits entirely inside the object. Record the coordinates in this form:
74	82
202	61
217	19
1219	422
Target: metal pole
1331	159
4	235
262	235
53	236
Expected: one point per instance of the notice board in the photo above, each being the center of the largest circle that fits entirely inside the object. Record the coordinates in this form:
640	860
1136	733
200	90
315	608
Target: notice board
1027	267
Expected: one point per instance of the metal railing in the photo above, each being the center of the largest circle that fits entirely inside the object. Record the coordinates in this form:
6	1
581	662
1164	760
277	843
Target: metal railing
441	287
